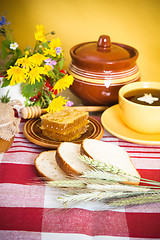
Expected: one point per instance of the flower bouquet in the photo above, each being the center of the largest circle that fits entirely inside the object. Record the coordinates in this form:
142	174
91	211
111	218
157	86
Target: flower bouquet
39	70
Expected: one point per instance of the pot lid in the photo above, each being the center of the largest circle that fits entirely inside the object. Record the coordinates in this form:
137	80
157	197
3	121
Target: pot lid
97	55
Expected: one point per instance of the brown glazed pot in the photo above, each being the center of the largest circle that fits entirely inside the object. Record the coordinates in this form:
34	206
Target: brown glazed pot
100	69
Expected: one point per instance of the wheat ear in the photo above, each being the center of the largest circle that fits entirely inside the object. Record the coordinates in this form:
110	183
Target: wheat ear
95	195
112	169
136	200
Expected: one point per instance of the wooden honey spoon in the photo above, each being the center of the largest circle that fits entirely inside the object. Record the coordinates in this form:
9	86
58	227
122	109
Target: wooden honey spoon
36	111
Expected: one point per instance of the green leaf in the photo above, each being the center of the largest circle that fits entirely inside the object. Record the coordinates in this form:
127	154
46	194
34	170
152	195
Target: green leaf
60	64
4	47
5	98
30	90
18	53
45	45
6	43
4	52
51	74
10	62
5	82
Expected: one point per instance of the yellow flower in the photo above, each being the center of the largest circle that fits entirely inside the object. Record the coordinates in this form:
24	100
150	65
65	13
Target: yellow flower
37	59
40	34
55	43
63	83
35	74
56	104
50	52
40	28
47	68
24	62
16	75
26	53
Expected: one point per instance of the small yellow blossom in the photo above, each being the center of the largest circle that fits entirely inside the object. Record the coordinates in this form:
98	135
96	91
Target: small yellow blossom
56	104
26	53
63	83
16	75
36	74
37	59
24	62
40	34
40	28
47	68
55	43
50	52
40	37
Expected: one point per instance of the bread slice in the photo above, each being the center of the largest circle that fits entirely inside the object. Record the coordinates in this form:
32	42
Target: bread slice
67	157
110	154
47	167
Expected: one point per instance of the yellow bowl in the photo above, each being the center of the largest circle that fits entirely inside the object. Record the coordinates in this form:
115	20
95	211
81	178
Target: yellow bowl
139	117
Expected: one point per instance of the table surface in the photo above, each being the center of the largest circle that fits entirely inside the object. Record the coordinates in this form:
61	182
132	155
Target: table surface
29	209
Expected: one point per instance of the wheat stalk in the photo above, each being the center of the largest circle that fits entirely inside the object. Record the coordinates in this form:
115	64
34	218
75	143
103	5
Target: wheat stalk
104	183
112	198
118	188
101	166
98	195
115	170
136	200
89	184
103	175
67	183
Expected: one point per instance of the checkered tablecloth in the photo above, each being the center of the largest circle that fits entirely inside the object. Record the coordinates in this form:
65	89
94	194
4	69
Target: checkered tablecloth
29	209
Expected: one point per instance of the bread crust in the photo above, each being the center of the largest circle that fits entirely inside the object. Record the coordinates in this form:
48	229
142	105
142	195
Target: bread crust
64	165
39	172
83	151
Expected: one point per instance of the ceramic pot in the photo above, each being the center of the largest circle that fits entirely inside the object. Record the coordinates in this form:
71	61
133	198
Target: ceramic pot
100	69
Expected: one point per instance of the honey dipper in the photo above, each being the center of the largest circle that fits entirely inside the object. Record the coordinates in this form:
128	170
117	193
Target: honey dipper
36	111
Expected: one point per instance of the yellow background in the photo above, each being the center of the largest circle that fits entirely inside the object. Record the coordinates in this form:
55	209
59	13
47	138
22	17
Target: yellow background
132	22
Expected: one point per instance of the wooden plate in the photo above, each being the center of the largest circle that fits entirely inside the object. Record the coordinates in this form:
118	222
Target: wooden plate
34	134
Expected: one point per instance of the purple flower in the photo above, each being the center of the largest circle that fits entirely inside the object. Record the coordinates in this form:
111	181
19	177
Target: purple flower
3	21
69	103
58	50
50	62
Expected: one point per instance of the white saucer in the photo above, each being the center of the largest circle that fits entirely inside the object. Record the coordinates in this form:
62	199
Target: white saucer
112	122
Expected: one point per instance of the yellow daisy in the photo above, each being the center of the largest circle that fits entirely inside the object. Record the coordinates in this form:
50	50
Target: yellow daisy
16	75
24	62
63	83
55	43
40	28
36	74
40	34
56	104
50	52
47	68
37	59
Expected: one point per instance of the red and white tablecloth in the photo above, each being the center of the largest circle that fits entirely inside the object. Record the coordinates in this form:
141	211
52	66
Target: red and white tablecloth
29	209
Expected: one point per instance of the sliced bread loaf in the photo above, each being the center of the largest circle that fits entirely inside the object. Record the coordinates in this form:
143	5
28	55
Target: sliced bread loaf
110	154
47	167
67	157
